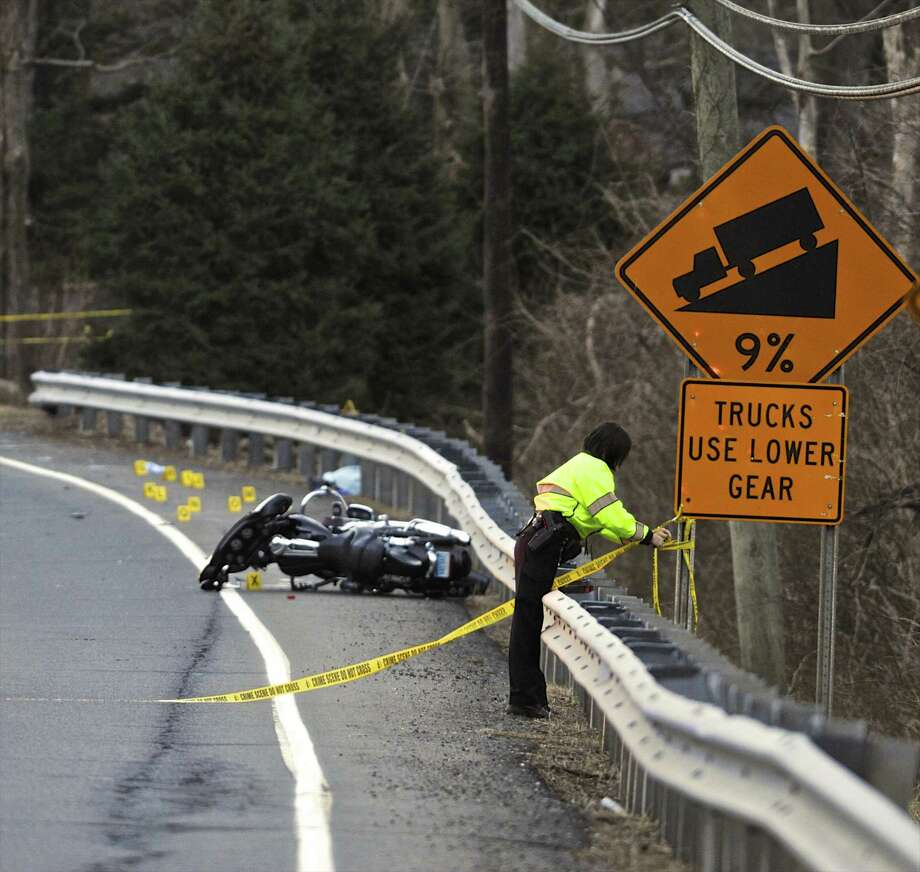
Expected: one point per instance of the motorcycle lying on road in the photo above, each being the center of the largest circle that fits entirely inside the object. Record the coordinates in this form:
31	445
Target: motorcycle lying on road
351	547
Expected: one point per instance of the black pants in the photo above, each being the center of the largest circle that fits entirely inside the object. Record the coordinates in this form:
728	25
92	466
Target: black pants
534	574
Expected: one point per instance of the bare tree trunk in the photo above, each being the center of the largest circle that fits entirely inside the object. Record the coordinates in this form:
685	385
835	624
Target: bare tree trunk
517	37
597	79
904	63
806	105
18	24
452	85
390	10
715	95
758	592
498	269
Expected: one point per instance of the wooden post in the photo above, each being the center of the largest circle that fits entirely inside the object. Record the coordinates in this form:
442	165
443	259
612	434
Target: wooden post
18	28
498	268
758	593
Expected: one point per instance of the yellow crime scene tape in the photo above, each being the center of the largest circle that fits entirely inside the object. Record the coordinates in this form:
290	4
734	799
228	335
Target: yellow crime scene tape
64	316
45	340
355	671
686	545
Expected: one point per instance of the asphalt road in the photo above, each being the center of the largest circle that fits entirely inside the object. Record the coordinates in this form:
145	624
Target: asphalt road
98	611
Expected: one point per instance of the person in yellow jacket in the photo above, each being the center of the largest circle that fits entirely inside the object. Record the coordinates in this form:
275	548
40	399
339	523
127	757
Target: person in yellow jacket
572	502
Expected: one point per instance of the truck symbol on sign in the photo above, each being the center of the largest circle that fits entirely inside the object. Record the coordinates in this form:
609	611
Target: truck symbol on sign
777	223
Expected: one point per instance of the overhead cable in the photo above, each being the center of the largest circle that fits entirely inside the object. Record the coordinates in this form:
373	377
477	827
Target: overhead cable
839	92
861	26
589	38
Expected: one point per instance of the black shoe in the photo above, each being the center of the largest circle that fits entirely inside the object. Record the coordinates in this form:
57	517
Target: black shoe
529	711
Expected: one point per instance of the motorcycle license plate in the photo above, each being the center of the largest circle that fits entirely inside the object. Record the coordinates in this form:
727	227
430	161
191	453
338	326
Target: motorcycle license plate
442	565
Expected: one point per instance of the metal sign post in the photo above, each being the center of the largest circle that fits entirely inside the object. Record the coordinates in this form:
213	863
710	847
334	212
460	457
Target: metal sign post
683	607
683	602
827	607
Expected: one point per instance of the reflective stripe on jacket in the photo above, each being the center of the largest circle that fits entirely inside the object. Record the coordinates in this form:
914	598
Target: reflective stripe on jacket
583	490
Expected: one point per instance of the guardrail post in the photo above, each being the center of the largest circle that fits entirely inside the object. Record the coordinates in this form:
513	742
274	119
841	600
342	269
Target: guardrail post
328	461
173	431
708	849
141	422
384	485
734	854
306	461
199	440
113	423
229	445
256	455
87	420
284	456
141	428
693	833
396	495
759	851
368	479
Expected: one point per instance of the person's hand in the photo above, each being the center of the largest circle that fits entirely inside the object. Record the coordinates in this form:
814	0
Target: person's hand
660	536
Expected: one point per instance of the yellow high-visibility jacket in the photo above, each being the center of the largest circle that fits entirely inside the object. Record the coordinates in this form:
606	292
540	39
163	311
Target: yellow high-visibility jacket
583	491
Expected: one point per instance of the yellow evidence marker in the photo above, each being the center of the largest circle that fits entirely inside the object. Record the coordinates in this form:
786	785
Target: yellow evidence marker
150	490
198	480
183	513
169	473
160	495
140	467
249	493
194	504
234	504
253	581
187	477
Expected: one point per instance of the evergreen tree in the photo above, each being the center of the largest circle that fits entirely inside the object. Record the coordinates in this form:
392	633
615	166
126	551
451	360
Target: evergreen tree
561	164
275	220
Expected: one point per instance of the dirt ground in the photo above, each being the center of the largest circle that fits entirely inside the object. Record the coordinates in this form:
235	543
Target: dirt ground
25	419
567	755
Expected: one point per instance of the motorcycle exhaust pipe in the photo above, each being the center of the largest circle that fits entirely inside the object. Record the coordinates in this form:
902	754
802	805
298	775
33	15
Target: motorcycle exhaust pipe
281	546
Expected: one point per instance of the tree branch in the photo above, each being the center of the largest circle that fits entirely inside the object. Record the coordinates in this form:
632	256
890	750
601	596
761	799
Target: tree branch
874	13
98	67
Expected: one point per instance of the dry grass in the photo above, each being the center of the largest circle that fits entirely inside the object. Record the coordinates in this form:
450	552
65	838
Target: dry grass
567	755
26	419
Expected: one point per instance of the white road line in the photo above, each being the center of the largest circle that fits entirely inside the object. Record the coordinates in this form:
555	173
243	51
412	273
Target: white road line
312	797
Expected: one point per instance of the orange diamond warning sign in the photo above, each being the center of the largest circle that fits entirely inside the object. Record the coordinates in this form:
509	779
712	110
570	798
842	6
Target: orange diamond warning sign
768	272
761	452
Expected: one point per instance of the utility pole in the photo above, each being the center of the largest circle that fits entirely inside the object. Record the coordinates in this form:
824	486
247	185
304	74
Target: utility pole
18	26
758	593
498	267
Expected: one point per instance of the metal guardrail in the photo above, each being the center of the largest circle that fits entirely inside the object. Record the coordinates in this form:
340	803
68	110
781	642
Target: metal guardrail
233	413
709	777
729	792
